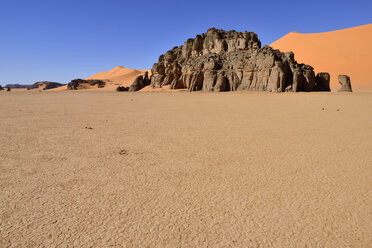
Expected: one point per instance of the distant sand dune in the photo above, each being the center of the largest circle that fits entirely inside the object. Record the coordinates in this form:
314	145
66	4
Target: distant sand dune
119	76
346	51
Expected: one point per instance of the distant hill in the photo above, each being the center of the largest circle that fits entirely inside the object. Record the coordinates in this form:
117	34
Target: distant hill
347	51
17	86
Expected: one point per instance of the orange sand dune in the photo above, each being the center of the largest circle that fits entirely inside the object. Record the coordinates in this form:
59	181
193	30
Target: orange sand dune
119	75
347	51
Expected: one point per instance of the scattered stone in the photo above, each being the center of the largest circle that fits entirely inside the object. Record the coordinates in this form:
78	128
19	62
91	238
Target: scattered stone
221	60
123	152
345	82
88	128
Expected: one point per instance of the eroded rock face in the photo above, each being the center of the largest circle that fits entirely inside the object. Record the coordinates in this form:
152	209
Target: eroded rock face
77	84
345	82
227	61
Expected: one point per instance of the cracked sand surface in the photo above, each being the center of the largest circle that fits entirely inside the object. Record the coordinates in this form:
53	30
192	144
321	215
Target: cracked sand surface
200	170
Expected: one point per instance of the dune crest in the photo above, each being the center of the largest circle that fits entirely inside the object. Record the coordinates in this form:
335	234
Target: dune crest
346	51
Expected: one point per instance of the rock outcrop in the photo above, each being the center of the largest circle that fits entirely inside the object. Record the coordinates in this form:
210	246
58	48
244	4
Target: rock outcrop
140	82
322	80
345	82
228	61
45	85
77	84
1	88
122	88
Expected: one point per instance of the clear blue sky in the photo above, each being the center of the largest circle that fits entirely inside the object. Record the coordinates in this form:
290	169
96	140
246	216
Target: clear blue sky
62	40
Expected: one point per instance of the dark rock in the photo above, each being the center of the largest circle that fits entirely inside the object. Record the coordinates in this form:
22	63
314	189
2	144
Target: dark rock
122	88
322	80
345	82
77	84
46	85
140	82
227	61
8	89
1	88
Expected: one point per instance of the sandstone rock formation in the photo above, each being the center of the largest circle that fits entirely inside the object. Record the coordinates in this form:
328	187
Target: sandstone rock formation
227	61
45	85
322	80
140	82
77	84
345	82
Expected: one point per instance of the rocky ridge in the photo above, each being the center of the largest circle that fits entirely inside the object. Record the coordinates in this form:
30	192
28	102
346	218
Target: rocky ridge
228	61
45	85
77	84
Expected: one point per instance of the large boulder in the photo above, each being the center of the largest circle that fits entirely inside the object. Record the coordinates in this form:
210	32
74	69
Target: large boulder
122	88
78	84
345	82
221	60
140	82
322	82
1	88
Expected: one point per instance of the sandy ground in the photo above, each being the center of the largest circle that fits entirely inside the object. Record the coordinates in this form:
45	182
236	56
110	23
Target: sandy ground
347	51
236	169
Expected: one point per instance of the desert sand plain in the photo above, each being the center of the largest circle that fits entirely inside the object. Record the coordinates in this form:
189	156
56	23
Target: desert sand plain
181	169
